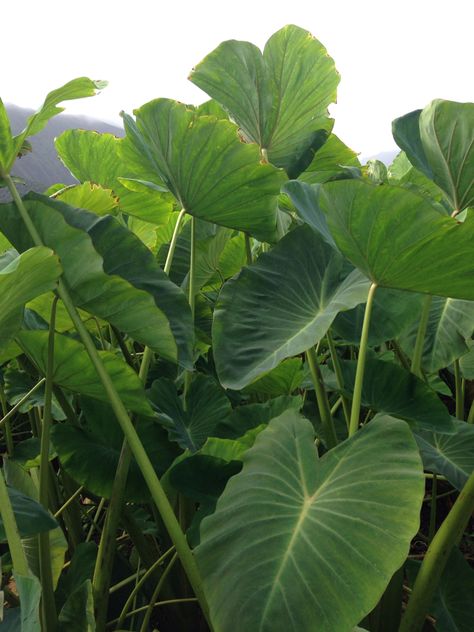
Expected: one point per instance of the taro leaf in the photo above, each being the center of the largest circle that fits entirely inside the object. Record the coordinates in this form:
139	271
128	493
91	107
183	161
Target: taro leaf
190	424
73	371
447	134
284	379
89	196
289	522
329	161
390	389
249	416
406	132
18	384
280	306
30	516
450	326
22	278
77	614
81	569
393	311
75	89
58	547
398	239
7	148
439	141
451	455
90	454
278	98
109	273
466	363
305	199
216	177
29	590
93	157
403	173
452	604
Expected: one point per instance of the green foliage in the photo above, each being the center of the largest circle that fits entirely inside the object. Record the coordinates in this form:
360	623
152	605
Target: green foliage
218	340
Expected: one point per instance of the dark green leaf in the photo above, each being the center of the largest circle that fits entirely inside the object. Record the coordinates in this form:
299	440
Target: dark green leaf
289	522
450	455
191	423
329	161
30	516
280	306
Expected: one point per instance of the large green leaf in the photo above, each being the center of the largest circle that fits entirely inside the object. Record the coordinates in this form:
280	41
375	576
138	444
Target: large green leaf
22	278
312	542
398	239
29	590
450	455
442	147
73	370
75	89
110	273
90	453
281	306
390	389
278	98
7	148
450	326
93	157
31	517
191	422
329	161
305	199
204	164
393	311
77	614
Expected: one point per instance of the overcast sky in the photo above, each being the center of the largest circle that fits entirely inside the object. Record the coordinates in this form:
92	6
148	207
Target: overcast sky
393	56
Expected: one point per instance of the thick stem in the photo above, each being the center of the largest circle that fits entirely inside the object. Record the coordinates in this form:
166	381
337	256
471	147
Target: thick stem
339	377
157	492
6	422
48	605
433	505
191	297
420	338
321	398
359	378
436	557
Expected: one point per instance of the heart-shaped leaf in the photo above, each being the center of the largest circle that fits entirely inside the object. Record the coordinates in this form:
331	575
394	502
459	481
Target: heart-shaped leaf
289	522
278	98
281	306
202	161
399	240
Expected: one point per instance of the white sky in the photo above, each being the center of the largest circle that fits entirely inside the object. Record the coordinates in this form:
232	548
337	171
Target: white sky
393	56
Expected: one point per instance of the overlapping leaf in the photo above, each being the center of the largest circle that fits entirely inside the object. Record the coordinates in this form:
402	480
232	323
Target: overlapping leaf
73	371
201	160
281	306
398	239
110	274
288	523
439	141
22	278
278	98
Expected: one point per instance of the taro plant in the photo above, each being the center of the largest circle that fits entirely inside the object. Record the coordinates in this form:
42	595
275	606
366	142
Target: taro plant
237	365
